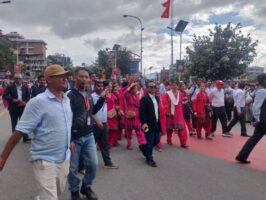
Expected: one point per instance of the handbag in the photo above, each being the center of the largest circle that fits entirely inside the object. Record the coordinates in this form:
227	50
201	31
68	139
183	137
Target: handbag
208	108
202	120
111	113
130	114
180	126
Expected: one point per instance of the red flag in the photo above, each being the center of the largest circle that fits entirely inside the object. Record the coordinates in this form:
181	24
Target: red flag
166	12
17	69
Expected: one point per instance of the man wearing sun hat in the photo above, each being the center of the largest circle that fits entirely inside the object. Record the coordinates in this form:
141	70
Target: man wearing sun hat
48	116
217	102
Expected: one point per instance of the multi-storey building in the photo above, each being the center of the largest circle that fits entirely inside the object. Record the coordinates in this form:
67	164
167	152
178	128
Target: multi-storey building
255	71
30	53
164	74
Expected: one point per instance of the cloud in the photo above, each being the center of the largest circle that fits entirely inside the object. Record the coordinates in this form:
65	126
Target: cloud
80	28
98	43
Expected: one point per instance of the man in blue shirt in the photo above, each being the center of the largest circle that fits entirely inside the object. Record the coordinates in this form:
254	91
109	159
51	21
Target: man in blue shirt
48	116
259	114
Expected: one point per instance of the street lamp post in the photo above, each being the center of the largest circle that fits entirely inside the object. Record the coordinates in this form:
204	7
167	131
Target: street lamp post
180	27
141	29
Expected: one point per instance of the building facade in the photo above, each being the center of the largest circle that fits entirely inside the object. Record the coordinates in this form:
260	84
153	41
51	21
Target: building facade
30	53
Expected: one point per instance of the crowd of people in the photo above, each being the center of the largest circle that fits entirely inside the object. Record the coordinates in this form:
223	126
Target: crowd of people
70	116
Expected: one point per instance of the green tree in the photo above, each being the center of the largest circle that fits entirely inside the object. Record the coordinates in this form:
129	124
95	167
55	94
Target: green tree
106	60
223	54
62	60
7	58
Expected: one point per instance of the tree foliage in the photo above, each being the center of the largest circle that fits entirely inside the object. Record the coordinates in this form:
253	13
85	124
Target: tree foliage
223	54
106	60
7	58
62	60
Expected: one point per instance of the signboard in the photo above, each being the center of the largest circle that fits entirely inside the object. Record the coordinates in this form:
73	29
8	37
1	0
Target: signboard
134	66
2	73
116	71
180	66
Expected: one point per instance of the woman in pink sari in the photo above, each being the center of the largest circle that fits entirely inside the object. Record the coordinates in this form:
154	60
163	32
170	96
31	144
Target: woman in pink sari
175	121
120	113
162	112
2	90
132	121
112	117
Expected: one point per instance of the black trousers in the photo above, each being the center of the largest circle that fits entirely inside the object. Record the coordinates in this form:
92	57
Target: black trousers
259	132
101	138
229	106
152	138
241	119
219	113
15	115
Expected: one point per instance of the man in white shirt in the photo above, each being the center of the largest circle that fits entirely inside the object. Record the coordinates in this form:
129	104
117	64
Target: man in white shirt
217	102
239	111
100	128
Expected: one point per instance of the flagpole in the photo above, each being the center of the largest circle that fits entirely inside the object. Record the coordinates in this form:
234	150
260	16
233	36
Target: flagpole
172	33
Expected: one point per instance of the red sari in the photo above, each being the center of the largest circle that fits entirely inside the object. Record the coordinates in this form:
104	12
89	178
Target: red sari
132	103
203	119
112	122
176	122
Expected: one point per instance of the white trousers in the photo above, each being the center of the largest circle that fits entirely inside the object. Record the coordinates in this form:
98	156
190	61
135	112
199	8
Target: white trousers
51	177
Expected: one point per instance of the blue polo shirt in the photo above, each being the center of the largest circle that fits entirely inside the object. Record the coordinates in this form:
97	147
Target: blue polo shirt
50	120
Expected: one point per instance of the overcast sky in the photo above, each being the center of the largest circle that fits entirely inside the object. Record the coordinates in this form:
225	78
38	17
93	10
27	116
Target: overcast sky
79	28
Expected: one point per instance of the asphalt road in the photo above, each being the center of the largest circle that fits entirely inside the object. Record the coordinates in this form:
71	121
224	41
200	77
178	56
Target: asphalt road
181	175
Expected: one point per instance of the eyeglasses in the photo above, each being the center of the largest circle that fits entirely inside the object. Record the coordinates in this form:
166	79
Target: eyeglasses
152	87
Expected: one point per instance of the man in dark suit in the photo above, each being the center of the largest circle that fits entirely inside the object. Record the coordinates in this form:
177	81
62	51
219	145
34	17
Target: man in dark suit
150	120
17	95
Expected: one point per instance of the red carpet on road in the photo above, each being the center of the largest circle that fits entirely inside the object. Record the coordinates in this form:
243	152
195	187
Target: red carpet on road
226	148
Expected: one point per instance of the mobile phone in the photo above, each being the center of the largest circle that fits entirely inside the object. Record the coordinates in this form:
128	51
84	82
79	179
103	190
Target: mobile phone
146	130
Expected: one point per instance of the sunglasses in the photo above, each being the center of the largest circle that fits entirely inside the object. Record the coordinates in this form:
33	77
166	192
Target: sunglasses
152	87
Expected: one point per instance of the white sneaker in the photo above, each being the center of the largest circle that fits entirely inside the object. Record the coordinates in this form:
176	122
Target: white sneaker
227	134
37	198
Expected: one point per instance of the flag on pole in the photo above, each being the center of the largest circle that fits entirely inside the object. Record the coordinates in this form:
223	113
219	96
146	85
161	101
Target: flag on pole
17	69
166	12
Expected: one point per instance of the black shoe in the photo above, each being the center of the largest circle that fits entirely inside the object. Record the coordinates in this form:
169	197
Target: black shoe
28	140
142	149
151	163
245	135
88	193
184	146
75	196
243	161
